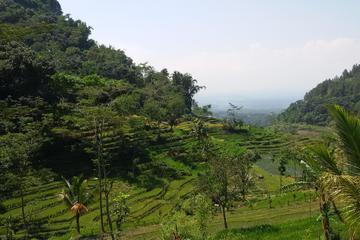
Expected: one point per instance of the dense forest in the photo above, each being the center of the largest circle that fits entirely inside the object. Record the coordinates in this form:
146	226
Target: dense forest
96	146
343	90
52	77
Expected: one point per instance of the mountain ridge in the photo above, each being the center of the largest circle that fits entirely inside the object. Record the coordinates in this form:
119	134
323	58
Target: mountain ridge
343	90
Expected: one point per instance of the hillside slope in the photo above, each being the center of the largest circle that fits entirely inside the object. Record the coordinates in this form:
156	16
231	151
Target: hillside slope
343	90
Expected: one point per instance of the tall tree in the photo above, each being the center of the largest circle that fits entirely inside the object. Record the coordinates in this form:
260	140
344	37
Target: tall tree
16	153
188	86
101	124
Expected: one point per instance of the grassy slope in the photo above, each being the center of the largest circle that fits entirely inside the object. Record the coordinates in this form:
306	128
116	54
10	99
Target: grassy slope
148	207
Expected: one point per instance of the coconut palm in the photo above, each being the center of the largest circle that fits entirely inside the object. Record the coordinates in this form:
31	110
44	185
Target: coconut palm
76	196
341	168
315	161
321	163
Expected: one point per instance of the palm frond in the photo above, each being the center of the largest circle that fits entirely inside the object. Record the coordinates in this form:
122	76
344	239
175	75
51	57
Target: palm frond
347	192
323	160
76	194
348	130
63	196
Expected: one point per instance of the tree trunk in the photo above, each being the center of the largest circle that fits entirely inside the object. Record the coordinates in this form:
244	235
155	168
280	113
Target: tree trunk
78	224
224	216
108	215
98	144
325	217
99	160
100	199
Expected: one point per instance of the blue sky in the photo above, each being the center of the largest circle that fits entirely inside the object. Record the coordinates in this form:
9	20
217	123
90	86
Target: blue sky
241	50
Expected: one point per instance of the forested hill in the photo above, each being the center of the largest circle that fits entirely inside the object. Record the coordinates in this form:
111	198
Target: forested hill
58	86
343	90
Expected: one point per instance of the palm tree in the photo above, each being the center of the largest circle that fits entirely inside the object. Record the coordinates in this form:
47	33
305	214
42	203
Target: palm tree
76	196
318	161
323	162
341	168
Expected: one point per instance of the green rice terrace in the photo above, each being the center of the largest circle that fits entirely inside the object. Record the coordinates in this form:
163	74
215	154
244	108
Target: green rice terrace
97	145
266	212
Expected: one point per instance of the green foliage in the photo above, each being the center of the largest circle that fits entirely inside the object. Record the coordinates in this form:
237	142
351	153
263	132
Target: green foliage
110	63
120	209
188	87
52	72
343	90
203	111
76	195
76	191
177	226
21	73
340	173
128	104
20	11
16	153
227	177
67	103
203	214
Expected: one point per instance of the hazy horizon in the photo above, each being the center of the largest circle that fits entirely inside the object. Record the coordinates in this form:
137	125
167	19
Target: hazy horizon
240	50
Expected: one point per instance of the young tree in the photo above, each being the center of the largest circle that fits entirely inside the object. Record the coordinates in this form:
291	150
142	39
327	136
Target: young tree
177	225
243	164
76	195
120	209
217	182
203	213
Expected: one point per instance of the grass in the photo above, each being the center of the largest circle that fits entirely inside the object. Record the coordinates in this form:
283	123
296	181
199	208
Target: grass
301	229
